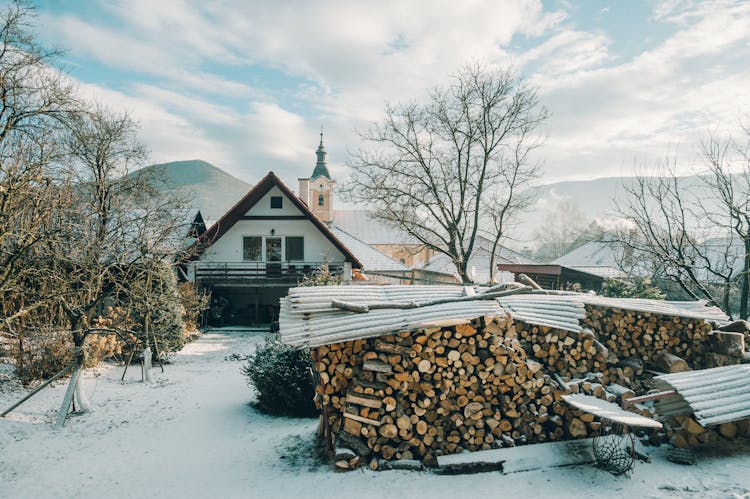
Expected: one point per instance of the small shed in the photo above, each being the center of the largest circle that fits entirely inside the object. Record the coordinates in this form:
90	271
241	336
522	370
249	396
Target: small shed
558	277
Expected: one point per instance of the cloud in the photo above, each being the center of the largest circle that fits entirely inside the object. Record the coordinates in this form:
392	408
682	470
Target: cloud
246	84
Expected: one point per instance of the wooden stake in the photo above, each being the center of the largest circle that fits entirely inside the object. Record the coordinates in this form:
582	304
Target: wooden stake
36	390
68	397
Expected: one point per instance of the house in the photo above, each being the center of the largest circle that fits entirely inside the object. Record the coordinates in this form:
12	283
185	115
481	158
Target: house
441	269
265	244
394	242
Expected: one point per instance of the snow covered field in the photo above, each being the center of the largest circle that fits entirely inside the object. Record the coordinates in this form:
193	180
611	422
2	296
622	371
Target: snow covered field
192	433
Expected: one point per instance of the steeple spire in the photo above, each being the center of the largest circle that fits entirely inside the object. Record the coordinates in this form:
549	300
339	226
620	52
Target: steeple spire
321	168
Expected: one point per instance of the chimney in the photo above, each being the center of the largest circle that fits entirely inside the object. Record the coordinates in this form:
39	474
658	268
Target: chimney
304	190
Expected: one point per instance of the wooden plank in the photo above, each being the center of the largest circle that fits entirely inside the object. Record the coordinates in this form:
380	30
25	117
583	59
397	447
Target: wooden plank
646	398
373	422
377	366
364	401
527	457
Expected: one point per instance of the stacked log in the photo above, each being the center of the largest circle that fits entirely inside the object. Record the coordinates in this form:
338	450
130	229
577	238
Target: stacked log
687	433
491	383
646	336
418	395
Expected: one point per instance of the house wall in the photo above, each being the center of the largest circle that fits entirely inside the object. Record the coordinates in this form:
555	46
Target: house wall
228	249
411	255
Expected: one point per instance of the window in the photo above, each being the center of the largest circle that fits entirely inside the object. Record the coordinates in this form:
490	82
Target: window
276	202
295	248
252	248
321	200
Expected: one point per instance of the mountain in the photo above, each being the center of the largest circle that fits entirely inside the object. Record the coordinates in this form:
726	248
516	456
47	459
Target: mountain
205	186
594	199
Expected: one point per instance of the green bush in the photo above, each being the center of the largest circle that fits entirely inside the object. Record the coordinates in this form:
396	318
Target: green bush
281	376
641	288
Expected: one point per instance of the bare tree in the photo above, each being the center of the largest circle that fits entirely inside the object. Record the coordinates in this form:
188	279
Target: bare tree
728	176
563	223
433	168
668	225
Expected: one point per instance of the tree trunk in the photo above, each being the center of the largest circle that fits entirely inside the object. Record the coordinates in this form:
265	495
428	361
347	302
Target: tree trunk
745	281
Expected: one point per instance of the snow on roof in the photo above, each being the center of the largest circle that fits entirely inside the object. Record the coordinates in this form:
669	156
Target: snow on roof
714	396
593	253
372	260
609	411
364	227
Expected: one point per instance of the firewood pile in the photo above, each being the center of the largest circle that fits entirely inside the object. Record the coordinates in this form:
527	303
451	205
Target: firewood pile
467	387
492	383
685	432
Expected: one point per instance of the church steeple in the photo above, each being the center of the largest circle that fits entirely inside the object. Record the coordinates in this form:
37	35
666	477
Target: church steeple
321	168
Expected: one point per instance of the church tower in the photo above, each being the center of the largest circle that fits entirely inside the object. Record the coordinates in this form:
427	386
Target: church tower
317	191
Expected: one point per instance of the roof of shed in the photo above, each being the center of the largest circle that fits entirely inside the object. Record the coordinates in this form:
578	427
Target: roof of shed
714	396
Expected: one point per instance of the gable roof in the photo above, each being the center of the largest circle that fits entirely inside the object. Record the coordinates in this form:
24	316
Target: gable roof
236	212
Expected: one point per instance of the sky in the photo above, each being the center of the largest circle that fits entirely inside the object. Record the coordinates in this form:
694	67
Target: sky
246	85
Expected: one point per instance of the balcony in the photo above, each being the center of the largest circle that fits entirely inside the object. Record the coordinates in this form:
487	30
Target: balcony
291	272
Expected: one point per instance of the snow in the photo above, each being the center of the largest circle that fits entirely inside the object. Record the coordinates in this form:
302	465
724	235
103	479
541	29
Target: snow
191	432
609	411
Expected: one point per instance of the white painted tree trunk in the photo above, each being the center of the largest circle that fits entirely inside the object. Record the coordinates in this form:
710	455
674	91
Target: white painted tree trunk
82	401
147	364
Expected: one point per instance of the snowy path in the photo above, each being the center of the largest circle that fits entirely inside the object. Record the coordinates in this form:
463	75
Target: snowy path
191	433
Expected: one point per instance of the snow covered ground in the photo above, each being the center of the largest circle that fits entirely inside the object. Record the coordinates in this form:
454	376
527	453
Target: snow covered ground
192	433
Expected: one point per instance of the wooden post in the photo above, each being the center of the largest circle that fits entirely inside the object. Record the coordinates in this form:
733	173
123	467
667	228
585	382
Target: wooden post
68	397
36	390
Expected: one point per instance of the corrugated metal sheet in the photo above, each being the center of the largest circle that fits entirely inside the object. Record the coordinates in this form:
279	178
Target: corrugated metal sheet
687	309
307	317
303	329
318	299
714	396
557	311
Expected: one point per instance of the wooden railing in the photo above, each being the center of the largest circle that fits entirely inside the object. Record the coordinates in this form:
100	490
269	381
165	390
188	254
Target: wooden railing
253	271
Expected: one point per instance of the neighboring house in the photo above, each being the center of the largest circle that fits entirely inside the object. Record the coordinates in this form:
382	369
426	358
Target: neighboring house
260	248
394	242
603	258
479	264
378	267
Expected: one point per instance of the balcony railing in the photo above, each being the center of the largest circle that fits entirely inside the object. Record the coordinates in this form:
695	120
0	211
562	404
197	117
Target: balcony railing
255	271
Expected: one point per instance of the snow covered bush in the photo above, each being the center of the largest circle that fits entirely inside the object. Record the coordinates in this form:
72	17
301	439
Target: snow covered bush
282	377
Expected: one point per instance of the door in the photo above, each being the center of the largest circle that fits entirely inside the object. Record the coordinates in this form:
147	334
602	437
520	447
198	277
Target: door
273	257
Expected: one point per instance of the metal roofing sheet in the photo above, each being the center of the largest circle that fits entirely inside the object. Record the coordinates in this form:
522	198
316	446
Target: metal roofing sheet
321	329
308	318
556	311
714	396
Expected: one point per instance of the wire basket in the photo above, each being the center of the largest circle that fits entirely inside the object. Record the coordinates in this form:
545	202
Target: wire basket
614	448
